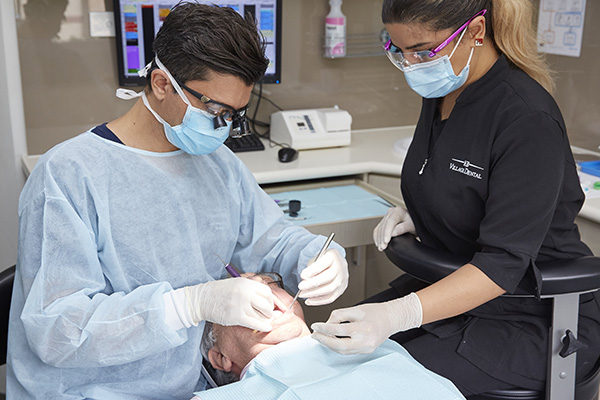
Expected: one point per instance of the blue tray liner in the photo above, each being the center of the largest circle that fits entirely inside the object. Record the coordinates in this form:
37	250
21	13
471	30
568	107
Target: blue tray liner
333	204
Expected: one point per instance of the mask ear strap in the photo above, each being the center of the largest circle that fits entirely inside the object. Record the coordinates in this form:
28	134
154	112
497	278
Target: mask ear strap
471	56
459	39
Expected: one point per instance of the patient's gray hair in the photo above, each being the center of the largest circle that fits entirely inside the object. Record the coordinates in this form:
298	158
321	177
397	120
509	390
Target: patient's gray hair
209	340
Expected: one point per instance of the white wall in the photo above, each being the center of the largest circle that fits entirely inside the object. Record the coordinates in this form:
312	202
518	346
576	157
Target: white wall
12	135
12	141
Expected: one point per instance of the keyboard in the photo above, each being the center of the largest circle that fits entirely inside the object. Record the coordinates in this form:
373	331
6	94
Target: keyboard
245	143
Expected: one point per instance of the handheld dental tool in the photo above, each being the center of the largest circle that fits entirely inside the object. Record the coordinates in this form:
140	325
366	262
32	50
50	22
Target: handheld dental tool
323	250
230	268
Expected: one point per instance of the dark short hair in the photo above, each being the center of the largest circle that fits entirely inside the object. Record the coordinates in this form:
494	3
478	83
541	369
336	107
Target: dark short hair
197	39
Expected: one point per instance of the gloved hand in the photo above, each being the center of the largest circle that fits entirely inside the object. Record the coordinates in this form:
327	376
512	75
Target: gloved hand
361	329
395	222
324	280
235	301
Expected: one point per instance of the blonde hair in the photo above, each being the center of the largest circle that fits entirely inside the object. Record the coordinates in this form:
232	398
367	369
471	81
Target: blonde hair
515	36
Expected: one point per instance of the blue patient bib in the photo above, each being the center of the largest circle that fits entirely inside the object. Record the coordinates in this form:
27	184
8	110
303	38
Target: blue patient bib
303	369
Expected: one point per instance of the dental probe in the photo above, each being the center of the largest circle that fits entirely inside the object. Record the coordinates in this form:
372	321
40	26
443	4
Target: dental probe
233	272
323	250
230	268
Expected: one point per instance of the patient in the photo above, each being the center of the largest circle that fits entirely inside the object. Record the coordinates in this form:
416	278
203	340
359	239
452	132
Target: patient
288	362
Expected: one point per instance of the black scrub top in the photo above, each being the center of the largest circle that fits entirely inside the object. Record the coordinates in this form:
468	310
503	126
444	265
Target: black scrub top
497	182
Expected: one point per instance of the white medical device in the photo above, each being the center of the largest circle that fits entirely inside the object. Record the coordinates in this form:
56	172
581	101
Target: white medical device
312	129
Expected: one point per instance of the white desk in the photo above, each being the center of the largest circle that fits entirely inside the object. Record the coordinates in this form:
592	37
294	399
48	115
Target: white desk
371	151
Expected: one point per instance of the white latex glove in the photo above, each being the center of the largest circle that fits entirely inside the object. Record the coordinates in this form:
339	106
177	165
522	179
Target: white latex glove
235	301
395	222
324	280
361	329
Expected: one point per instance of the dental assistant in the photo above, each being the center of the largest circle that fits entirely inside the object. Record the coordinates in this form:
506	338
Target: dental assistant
489	175
122	229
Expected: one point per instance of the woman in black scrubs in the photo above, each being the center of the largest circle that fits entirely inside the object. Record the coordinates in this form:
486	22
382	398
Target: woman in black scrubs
489	175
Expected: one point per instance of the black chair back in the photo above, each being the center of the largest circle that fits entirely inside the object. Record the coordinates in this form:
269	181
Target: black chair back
6	287
430	265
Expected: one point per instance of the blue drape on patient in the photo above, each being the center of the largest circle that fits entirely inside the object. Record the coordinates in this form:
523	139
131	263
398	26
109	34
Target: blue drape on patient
303	369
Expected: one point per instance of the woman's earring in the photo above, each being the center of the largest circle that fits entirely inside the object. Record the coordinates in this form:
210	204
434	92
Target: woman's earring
478	42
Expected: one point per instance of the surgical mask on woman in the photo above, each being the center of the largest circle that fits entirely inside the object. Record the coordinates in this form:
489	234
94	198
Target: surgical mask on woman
196	134
436	78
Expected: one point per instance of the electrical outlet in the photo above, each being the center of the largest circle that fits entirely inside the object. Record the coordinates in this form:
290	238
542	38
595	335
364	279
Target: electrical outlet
102	24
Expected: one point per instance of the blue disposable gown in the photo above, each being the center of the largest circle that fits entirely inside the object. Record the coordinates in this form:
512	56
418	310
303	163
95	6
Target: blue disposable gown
105	230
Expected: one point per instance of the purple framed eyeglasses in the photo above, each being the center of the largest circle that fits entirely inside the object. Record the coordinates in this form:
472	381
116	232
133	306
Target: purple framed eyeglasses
404	60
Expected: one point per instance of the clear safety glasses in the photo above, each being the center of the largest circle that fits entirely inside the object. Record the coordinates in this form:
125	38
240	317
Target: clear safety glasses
405	60
223	112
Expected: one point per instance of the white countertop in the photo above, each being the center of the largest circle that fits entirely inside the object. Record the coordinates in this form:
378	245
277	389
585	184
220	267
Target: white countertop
371	152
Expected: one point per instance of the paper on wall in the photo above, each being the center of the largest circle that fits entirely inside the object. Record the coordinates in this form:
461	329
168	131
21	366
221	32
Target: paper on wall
560	27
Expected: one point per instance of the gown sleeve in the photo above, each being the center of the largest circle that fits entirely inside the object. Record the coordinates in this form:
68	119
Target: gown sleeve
71	316
269	242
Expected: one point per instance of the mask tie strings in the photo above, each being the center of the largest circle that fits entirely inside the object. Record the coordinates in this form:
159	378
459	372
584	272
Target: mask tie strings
173	82
128	94
179	90
143	73
147	104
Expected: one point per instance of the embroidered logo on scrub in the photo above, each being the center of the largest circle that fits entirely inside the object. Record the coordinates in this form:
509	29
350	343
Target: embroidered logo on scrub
466	168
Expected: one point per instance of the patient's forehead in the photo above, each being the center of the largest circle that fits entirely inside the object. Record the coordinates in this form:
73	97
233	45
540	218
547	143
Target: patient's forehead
266	279
271	279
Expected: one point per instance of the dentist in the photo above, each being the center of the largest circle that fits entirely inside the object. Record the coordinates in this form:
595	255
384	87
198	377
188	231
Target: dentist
122	227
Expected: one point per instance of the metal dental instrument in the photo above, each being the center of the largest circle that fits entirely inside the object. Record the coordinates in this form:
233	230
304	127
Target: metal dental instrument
230	268
323	250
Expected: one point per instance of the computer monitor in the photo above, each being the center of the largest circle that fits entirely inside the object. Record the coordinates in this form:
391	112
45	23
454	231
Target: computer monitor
138	21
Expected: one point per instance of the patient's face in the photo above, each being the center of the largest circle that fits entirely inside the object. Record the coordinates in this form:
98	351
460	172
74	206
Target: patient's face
241	344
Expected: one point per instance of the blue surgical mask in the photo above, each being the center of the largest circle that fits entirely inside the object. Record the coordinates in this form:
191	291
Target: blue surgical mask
196	134
436	78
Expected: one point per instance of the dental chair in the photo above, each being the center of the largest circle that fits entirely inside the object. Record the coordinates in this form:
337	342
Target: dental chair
6	287
563	281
